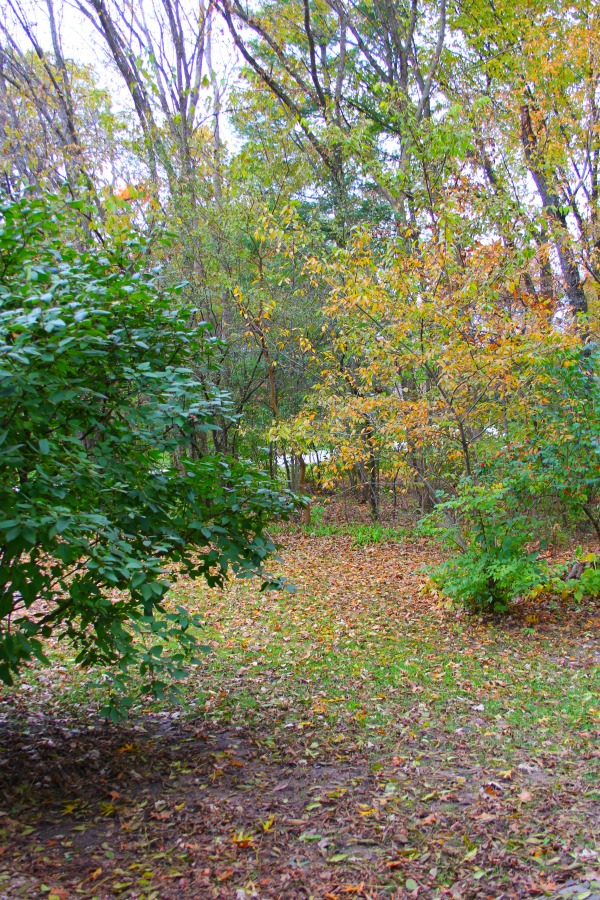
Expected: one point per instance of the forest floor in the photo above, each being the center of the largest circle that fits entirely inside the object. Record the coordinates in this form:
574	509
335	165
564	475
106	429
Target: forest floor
358	738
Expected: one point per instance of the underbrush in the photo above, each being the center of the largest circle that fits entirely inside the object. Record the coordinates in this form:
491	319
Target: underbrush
363	534
497	553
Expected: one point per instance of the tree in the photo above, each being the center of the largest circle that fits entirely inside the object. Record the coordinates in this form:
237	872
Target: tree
57	125
105	392
537	71
163	53
356	81
434	353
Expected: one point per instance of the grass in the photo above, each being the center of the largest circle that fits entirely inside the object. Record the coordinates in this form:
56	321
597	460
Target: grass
365	674
363	534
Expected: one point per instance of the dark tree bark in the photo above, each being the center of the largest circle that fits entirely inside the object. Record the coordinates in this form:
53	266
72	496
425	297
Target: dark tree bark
555	214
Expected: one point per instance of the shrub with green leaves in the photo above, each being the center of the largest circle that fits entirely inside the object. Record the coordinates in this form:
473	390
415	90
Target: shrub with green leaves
580	579
493	565
560	452
550	455
588	583
106	402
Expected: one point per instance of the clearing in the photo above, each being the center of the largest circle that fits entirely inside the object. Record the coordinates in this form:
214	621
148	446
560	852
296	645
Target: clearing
354	739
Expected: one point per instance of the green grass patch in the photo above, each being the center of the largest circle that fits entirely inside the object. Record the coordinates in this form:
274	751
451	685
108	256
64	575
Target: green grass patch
363	534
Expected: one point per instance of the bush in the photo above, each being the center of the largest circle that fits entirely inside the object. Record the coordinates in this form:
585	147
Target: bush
579	580
105	405
551	456
588	583
493	566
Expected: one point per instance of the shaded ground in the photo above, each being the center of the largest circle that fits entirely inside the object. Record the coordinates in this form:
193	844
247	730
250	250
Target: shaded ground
356	738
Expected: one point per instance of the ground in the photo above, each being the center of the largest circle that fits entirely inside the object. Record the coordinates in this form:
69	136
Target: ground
358	737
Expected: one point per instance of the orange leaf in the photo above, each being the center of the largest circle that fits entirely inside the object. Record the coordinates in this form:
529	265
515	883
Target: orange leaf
225	874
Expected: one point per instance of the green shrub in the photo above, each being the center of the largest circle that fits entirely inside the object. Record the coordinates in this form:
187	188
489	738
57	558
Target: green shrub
493	565
585	584
588	583
550	457
106	402
489	578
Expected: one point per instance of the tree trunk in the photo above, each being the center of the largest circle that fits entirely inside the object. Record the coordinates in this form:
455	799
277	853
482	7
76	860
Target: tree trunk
556	217
305	514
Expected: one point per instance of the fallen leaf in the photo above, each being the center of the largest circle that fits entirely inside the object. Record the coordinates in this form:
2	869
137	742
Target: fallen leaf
243	839
428	820
268	823
225	874
281	786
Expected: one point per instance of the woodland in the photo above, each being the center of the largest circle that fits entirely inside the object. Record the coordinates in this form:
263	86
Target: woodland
299	449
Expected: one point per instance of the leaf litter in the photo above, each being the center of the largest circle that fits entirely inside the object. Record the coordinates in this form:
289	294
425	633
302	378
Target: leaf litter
354	738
